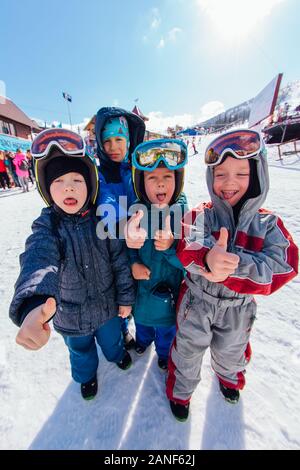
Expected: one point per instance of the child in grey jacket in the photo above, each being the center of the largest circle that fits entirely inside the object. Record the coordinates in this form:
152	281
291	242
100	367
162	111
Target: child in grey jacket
232	249
67	272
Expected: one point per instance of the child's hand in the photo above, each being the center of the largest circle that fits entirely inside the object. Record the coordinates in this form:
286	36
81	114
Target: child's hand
35	331
135	236
164	238
218	260
124	310
213	277
140	272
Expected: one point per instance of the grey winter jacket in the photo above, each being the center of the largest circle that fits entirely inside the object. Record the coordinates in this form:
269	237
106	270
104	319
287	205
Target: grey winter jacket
268	254
88	277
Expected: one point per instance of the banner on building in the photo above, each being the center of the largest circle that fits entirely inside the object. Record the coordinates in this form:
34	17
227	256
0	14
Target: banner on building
11	144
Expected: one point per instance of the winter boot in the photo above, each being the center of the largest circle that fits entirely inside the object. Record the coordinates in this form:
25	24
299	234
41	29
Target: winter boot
162	364
181	412
129	342
231	395
89	389
139	349
126	362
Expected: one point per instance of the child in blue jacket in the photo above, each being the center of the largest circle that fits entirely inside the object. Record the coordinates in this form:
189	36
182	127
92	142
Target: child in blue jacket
118	132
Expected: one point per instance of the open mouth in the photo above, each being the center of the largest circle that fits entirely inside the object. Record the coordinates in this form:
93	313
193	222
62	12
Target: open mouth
70	201
161	197
228	194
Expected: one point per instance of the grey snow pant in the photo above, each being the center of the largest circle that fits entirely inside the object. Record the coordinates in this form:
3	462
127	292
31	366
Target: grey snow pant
205	321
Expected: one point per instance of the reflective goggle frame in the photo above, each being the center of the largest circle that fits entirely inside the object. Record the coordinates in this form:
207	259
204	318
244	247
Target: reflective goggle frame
148	155
244	143
69	142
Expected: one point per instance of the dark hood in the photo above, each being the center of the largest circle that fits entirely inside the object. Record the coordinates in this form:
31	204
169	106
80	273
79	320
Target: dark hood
136	131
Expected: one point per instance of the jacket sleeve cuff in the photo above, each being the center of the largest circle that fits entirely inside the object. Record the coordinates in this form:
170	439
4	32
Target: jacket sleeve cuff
29	304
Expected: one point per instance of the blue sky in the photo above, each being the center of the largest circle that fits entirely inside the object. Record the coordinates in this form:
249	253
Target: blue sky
181	58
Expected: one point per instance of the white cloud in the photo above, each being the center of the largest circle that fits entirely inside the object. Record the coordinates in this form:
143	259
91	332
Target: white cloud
161	43
116	102
156	19
2	92
172	34
159	123
153	29
210	109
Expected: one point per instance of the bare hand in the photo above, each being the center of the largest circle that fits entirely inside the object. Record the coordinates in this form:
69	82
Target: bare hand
35	331
164	238
218	260
124	310
140	272
135	236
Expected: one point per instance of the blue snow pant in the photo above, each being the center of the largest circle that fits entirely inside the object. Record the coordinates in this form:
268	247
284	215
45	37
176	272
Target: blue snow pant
124	325
161	335
83	351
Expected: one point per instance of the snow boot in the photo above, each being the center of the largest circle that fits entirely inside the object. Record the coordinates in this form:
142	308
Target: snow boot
126	362
129	342
139	349
162	364
181	412
89	389
231	395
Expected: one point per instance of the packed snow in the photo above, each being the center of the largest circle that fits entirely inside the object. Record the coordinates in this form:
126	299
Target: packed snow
41	407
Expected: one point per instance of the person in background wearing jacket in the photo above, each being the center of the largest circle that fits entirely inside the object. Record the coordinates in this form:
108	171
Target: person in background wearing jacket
21	165
232	249
4	179
67	272
118	132
158	175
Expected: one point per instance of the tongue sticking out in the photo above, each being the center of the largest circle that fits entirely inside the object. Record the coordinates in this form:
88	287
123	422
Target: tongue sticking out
161	197
70	201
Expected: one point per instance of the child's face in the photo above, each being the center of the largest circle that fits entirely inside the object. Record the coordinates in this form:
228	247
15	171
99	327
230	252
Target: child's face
231	179
69	192
116	148
160	186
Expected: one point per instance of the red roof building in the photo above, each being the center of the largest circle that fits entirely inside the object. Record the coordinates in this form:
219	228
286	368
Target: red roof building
14	122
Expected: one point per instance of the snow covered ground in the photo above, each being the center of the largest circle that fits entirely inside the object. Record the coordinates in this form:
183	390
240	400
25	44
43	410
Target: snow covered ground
41	407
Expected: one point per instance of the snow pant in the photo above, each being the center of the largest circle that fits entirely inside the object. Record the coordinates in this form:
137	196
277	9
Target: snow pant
24	182
162	337
124	325
205	321
83	351
4	179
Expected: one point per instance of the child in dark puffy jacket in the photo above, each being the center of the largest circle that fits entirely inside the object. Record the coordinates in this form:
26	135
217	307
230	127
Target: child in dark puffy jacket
158	176
67	272
118	132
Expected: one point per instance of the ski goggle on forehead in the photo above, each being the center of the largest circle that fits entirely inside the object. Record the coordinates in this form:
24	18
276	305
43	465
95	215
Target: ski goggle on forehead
148	155
241	144
67	141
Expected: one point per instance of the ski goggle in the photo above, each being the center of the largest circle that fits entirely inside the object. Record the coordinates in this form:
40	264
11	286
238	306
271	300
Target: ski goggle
67	141
241	144
148	155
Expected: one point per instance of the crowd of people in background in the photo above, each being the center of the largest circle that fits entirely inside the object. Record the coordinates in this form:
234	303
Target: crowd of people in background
16	170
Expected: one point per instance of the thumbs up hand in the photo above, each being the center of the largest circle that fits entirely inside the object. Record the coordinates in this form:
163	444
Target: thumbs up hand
35	331
164	238
135	236
219	261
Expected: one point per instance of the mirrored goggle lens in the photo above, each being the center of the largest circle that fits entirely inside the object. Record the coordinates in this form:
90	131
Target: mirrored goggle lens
67	140
172	154
241	143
